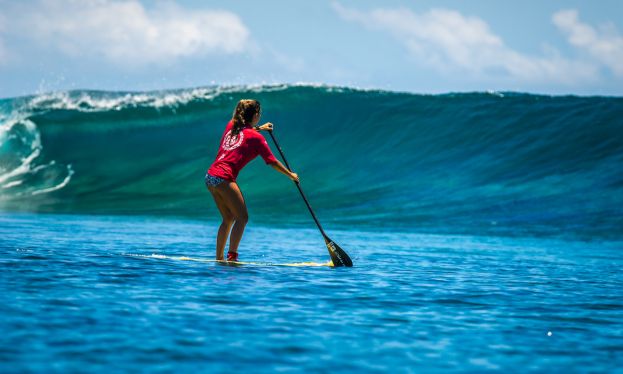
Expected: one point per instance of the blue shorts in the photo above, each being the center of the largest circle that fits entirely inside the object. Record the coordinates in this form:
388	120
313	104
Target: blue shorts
212	181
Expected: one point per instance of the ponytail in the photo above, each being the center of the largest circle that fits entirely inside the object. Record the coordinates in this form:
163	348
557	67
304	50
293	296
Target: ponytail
243	114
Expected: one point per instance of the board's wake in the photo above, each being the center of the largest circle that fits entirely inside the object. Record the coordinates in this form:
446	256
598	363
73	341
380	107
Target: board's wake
246	263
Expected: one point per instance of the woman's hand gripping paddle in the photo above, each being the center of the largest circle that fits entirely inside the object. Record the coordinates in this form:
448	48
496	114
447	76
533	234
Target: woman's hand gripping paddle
338	256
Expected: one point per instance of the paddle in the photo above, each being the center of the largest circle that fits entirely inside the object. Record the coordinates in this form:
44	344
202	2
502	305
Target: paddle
338	256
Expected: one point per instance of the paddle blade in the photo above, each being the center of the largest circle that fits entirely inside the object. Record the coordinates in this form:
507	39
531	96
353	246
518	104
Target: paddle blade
338	256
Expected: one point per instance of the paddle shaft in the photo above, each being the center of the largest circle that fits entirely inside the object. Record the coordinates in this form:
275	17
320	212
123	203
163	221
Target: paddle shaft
298	185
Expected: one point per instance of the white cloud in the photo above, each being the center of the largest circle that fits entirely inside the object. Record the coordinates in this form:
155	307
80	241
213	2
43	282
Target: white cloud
127	33
449	41
605	46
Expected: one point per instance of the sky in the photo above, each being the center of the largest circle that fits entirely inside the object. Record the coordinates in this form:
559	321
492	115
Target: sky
550	47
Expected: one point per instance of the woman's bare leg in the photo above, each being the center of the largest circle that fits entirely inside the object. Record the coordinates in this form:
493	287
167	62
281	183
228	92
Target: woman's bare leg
232	196
228	220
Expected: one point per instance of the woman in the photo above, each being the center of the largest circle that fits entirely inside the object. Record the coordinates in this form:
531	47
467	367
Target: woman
241	143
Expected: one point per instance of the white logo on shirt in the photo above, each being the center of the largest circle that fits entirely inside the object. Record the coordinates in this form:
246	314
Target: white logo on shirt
232	141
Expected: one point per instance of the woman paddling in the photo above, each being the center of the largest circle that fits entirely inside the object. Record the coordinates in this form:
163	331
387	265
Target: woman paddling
241	143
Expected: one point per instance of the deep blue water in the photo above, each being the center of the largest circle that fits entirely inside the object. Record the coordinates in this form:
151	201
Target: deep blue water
76	297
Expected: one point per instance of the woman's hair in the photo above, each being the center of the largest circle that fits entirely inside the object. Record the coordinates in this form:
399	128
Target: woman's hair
244	113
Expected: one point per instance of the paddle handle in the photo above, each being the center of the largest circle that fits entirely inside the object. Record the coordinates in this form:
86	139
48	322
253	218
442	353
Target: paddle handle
298	185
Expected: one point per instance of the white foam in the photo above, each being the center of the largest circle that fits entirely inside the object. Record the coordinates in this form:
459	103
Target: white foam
103	101
12	184
99	101
65	181
12	176
34	143
23	168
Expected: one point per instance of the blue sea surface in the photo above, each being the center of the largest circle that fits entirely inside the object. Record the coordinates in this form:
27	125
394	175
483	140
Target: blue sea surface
93	293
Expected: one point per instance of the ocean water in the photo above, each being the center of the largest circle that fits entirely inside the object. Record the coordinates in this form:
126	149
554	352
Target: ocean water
485	231
95	293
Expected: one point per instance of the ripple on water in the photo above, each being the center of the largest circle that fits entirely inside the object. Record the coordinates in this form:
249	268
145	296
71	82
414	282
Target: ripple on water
416	302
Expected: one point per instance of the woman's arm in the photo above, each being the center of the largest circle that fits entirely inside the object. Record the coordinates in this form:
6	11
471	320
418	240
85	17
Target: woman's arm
283	170
278	165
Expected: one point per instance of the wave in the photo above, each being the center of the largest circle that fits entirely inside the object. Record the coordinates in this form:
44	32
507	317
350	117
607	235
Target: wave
506	163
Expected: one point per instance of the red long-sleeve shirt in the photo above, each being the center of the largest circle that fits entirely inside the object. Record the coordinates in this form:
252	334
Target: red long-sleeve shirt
237	151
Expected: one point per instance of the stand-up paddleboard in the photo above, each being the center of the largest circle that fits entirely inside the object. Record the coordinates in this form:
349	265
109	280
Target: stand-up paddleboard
234	263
